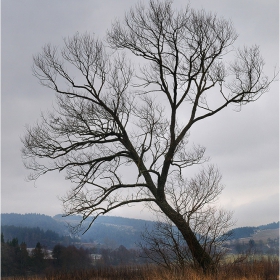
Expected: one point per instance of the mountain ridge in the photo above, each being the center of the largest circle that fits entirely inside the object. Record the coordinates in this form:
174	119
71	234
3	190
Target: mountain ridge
113	230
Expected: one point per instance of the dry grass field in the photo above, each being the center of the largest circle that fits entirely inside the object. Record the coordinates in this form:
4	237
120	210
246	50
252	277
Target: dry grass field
263	269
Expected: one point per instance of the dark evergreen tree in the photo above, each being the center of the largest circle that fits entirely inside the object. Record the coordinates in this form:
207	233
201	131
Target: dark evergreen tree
70	258
14	258
37	258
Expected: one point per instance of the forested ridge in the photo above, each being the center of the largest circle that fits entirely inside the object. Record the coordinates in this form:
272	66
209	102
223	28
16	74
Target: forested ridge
33	220
114	231
31	228
31	235
242	232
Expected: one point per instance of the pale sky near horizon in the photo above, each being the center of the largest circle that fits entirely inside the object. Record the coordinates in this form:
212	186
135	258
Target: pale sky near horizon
244	145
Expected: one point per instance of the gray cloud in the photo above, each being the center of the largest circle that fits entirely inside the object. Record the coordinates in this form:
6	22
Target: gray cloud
244	145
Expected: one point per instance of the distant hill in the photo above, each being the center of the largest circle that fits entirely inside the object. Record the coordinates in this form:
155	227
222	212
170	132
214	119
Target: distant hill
32	235
106	230
114	231
33	220
110	231
246	232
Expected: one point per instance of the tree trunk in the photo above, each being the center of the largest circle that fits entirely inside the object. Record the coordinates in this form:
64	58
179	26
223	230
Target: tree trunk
203	259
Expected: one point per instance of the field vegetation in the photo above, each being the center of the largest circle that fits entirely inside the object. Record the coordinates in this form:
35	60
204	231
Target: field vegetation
266	268
244	260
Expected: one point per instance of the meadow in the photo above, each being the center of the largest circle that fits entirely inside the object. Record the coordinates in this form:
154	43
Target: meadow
266	268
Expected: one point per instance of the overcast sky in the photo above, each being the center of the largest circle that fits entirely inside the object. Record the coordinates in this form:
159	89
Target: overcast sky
244	145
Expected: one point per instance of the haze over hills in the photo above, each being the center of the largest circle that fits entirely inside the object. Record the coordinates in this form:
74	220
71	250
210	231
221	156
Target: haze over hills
113	231
106	230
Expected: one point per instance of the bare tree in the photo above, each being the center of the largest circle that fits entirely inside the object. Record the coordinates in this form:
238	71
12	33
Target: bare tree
195	200
110	132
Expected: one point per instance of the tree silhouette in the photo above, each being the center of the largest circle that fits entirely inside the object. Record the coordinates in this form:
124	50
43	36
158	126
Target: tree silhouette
121	132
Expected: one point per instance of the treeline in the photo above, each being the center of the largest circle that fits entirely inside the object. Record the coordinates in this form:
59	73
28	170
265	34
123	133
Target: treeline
123	231
33	220
242	232
270	226
259	247
99	234
30	236
118	257
16	260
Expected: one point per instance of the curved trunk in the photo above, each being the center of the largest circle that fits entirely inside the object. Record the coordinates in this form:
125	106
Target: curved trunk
198	253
